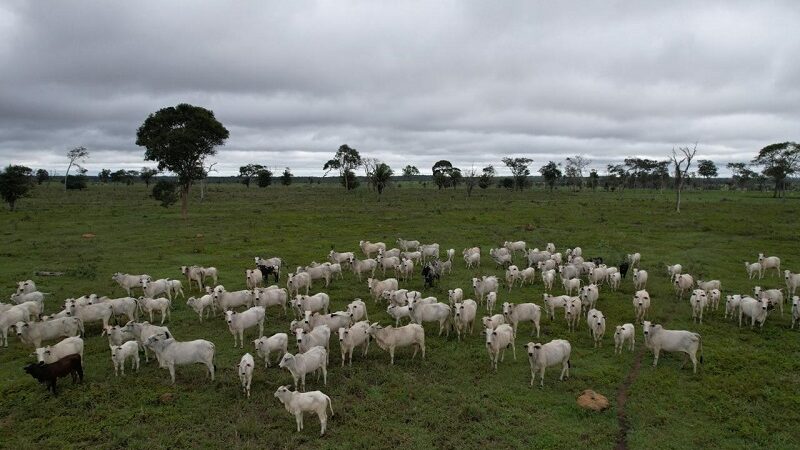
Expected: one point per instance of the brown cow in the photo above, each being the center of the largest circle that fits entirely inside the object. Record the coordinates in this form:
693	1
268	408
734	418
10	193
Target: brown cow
68	365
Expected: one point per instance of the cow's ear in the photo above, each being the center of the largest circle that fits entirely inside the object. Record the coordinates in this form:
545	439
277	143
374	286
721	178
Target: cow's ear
166	333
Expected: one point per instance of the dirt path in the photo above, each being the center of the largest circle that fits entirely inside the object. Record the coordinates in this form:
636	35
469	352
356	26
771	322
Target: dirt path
622	399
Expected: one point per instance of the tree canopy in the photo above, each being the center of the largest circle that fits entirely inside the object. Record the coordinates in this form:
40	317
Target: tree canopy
246	173
75	155
410	170
179	138
778	162
445	175
706	168
551	173
519	170
286	177
15	183
346	160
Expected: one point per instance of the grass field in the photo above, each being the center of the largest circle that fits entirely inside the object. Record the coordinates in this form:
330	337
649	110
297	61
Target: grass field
746	395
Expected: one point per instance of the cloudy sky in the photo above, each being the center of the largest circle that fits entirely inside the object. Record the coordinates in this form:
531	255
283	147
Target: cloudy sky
404	82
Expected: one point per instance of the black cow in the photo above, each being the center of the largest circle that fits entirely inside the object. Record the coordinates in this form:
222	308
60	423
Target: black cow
49	373
430	274
623	268
267	270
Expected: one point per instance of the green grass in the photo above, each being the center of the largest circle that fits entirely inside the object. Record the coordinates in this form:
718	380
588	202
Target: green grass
745	395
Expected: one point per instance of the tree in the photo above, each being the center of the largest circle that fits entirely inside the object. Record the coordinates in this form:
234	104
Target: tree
574	168
470	180
380	177
455	177
264	177
124	176
681	169
551	174
75	155
519	170
286	178
410	170
778	162
147	174
164	192
706	169
346	160
441	173
15	183
42	176
507	183
487	176
77	182
205	171
246	173
594	179
104	175
741	174
179	138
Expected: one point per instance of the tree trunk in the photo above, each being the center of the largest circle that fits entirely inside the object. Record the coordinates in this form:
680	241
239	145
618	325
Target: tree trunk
185	202
66	175
678	198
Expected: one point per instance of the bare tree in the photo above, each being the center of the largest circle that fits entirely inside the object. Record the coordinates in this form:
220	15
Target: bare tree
369	165
682	169
77	154
471	180
206	171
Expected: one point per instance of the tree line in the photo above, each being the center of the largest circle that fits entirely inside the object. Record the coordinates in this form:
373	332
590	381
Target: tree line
180	139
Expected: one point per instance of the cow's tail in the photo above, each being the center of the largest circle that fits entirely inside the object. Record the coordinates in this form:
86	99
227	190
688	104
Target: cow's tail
80	326
330	405
700	340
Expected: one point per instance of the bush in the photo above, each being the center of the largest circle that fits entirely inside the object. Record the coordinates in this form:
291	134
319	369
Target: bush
165	192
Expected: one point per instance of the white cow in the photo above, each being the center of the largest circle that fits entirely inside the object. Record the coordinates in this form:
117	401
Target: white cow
278	342
369	248
429	251
246	366
732	303
364	266
714	297
464	316
795	310
34	333
597	326
340	258
315	359
398	312
548	277
121	353
552	353
455	295
9	318
161	304
334	321
517	246
253	278
92	313
792	281
24	287
754	270
204	303
614	280
238	322
775	296
473	260
388	262
634	259
639	279
128	282
624	333
699	301
675	269
484	285
271	296
118	335
352	337
709	285
571	285
143	331
523	312
173	353
493	321
229	300
153	288
589	295
407	245
682	283
756	310
770	262
434	312
52	353
572	312
377	287
319	302
298	403
657	338
390	338
527	275
553	302
641	303
497	341
298	281
491	299
319	336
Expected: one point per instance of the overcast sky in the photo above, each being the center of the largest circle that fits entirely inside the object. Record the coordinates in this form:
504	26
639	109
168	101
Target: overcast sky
404	82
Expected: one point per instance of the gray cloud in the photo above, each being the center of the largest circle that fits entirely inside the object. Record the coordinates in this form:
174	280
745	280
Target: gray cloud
401	81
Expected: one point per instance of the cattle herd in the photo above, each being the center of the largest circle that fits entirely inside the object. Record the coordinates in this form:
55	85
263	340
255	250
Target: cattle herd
313	322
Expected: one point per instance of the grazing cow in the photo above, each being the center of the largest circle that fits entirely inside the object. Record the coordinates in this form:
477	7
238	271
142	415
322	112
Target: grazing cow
497	341
624	333
464	316
350	338
641	303
523	312
50	373
597	326
313	360
278	342
298	403
657	338
246	366
52	353
389	338
770	262
552	353
639	279
121	353
172	353
754	270
699	301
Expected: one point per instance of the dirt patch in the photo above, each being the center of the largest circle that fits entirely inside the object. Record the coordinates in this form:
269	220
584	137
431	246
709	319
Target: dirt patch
88	235
622	399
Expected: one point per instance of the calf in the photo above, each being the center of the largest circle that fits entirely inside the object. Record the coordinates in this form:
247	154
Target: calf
497	341
552	353
204	303
754	270
278	342
624	333
298	403
657	338
246	366
121	353
50	373
350	338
